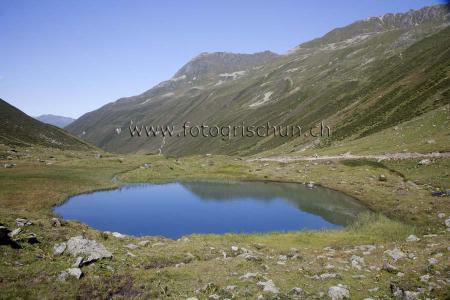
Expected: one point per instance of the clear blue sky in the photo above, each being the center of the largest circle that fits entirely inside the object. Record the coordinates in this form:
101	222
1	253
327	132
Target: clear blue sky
70	57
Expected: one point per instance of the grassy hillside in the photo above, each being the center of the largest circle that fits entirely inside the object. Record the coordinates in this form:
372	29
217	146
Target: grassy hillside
19	129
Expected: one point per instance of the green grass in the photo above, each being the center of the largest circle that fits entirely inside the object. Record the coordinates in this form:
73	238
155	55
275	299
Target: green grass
31	189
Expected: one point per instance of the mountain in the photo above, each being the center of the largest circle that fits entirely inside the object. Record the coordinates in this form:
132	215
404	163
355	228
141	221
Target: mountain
58	121
19	129
359	80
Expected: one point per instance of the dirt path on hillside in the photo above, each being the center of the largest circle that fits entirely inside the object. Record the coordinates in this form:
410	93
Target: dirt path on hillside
380	157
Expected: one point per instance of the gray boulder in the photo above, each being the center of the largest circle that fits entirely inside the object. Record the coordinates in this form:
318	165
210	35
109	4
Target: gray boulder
90	250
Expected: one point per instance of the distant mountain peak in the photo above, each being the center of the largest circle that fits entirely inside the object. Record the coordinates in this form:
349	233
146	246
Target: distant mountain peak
58	121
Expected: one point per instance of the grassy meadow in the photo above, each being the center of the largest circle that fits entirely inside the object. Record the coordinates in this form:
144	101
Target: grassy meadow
204	266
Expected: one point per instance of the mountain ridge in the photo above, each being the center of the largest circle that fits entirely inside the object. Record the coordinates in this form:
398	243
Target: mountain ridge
58	121
323	81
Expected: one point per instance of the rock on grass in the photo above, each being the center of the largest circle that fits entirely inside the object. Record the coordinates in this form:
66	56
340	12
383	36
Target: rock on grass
338	292
90	250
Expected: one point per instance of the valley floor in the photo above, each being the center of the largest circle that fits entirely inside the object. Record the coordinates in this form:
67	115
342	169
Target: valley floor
402	252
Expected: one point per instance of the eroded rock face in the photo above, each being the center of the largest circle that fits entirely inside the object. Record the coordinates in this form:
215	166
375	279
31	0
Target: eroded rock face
90	250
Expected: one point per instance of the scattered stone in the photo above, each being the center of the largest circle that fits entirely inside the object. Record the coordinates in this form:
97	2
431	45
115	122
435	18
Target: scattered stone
447	222
131	246
192	298
296	291
357	262
189	256
90	250
282	258
15	232
231	287
251	257
118	235
23	222
62	276
396	290
441	215
432	261
424	162
143	243
382	177
412	238
389	268
310	185
425	278
59	249
400	274
373	290
9	166
268	286
338	292
395	254
329	276
408	295
56	222
234	248
180	265
214	297
184	239
367	249
75	272
130	254
249	275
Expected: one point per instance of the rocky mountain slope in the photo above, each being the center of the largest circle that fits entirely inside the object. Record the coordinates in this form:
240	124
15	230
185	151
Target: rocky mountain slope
58	121
359	80
19	129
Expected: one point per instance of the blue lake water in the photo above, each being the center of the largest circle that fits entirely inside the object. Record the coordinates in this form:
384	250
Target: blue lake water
182	208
